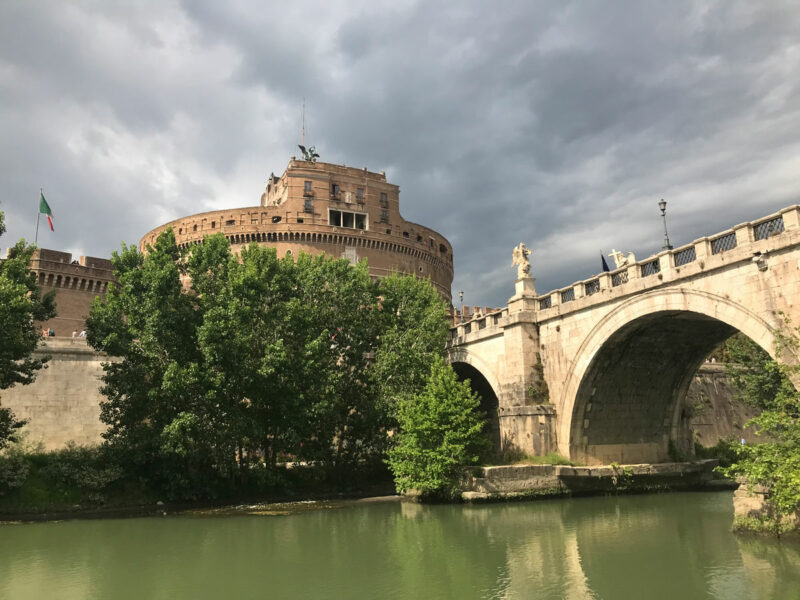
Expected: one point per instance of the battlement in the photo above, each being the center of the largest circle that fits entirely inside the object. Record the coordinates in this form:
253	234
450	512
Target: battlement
76	283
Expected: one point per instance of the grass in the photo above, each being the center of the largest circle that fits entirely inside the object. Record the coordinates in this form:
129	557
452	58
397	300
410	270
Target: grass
520	458
551	458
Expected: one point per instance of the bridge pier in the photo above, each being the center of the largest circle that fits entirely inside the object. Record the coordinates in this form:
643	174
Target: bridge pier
526	423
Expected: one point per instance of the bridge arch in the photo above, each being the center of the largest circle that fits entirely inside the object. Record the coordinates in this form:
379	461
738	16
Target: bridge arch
484	382
620	401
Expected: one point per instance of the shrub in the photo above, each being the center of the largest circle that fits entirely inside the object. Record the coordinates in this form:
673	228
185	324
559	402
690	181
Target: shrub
441	430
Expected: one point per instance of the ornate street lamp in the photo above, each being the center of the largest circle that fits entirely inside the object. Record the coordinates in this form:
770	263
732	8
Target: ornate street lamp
461	298
663	206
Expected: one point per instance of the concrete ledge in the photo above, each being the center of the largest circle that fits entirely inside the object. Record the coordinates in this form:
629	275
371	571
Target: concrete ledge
520	411
486	484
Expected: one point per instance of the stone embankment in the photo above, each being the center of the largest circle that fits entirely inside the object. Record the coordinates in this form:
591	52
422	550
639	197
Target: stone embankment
752	513
487	484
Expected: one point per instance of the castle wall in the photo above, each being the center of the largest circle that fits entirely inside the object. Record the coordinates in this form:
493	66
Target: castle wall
63	404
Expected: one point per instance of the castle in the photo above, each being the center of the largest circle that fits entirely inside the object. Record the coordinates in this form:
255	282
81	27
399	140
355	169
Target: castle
314	207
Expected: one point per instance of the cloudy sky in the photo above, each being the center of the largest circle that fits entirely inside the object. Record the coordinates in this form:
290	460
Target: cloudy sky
560	124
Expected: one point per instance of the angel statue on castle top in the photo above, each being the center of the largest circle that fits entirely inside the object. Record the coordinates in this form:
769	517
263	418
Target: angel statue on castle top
520	259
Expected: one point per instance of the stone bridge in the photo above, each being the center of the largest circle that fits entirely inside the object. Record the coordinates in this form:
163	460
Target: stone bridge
596	370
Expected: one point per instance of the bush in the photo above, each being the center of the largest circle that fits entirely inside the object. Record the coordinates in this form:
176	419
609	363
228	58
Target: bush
14	469
79	472
725	451
441	430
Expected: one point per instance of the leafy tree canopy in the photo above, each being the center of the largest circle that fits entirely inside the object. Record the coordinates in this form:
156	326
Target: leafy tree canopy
767	384
223	360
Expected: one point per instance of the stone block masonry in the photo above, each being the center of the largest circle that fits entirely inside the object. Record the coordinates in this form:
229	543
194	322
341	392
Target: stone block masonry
63	404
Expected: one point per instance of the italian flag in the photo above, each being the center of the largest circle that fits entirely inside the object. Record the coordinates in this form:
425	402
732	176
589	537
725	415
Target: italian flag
44	209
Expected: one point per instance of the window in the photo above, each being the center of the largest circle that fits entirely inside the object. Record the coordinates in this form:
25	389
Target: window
180	231
360	195
384	200
419	238
384	216
334	190
307	191
309	207
276	219
230	223
299	219
442	248
405	234
213	224
388	232
194	228
343	218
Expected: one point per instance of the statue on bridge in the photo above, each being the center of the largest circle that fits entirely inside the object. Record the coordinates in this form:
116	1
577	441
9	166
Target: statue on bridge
620	260
520	259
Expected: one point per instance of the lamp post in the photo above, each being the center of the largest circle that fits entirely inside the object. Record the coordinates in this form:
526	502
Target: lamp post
663	206
461	299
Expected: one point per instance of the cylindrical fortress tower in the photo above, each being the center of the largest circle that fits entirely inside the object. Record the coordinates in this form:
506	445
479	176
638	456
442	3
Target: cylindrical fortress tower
317	208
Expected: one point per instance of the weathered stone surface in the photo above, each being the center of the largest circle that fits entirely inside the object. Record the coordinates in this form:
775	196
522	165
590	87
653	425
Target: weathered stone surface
521	481
64	403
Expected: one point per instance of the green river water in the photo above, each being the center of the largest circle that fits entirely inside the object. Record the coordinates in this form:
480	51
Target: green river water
676	546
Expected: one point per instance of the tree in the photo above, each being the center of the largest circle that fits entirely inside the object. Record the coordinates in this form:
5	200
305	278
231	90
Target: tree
21	303
413	334
158	410
440	431
767	384
226	360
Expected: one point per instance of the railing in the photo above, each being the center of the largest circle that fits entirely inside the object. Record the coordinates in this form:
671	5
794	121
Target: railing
651	268
476	323
619	278
685	256
765	229
591	287
702	248
723	243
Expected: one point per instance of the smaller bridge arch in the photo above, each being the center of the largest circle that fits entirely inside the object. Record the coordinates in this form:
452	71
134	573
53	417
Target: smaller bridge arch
483	381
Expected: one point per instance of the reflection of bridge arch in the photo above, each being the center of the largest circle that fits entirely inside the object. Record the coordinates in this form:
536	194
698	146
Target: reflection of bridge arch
482	381
623	385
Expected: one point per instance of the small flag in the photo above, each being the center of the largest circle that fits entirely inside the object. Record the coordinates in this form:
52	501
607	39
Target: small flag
44	209
605	264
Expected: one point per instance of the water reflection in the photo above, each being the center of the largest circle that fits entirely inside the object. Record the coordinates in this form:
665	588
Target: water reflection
667	546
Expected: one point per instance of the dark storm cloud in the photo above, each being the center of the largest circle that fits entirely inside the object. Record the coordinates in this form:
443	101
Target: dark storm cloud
559	124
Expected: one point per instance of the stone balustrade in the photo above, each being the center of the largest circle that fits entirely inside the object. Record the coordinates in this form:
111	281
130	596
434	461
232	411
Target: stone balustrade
746	241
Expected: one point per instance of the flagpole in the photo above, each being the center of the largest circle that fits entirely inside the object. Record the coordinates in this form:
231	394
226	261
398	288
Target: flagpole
38	216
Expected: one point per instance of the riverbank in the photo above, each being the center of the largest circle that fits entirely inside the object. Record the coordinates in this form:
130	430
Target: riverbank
81	482
268	504
75	490
520	482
